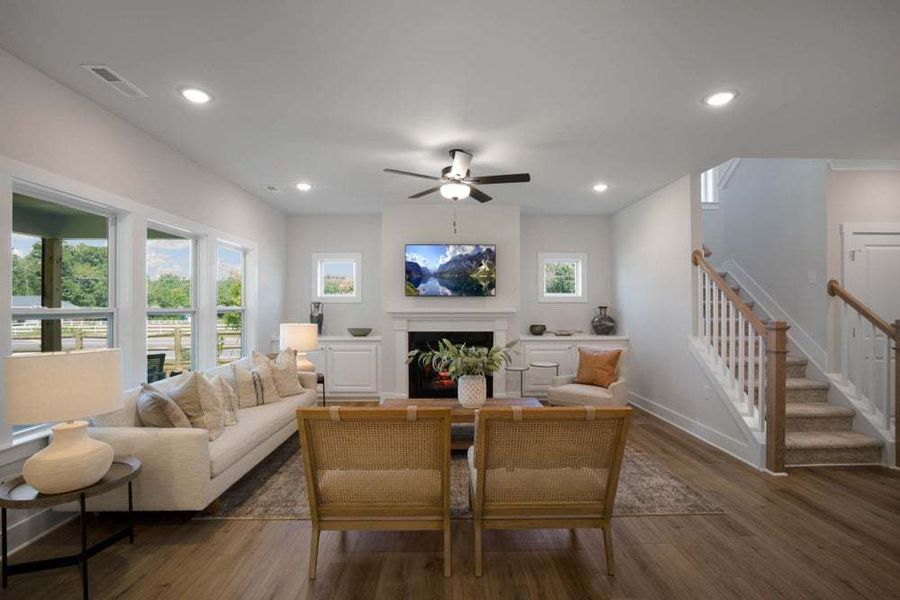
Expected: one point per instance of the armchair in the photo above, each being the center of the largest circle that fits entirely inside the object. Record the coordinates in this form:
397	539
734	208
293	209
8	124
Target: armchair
565	392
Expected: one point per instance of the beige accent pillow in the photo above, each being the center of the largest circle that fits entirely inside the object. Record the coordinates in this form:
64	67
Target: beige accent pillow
284	371
197	398
227	397
244	386
156	409
266	391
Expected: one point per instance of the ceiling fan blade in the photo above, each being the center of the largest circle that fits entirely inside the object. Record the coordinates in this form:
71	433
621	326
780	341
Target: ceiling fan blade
398	172
479	195
489	179
426	192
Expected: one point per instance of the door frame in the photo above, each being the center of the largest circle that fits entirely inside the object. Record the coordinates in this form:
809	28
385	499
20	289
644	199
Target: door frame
848	230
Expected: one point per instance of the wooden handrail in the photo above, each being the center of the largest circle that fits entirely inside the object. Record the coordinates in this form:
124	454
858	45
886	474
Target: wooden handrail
836	289
758	324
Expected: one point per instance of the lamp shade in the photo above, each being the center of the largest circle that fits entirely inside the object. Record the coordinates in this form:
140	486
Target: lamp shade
302	337
62	386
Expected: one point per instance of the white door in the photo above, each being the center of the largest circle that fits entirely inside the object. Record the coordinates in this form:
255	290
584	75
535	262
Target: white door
872	274
352	368
538	379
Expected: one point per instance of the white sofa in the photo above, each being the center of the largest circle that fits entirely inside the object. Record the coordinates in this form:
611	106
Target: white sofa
182	469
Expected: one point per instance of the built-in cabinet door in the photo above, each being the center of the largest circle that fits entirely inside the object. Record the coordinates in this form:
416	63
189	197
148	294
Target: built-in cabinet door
352	368
538	379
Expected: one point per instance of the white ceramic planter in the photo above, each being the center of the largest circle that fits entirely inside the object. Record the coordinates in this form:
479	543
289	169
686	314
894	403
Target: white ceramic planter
471	390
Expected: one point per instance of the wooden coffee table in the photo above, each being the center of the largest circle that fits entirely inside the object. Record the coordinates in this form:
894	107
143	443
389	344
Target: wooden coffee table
460	416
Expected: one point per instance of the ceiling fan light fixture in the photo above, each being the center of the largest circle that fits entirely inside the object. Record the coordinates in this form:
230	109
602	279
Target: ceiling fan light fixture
455	190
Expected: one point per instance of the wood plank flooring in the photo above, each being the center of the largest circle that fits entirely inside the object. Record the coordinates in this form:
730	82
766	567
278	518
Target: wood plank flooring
820	533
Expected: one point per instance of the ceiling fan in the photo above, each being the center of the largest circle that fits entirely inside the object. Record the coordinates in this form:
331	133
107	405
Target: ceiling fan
456	182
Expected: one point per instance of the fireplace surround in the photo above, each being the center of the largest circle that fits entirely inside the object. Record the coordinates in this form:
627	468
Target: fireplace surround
424	382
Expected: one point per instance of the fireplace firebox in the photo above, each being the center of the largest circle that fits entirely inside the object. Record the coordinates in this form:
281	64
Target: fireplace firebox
425	382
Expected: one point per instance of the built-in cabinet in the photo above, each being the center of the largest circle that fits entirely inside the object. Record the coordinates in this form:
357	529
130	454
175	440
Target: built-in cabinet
352	366
555	349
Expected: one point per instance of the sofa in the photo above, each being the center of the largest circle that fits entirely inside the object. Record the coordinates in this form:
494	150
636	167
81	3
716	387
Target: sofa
182	469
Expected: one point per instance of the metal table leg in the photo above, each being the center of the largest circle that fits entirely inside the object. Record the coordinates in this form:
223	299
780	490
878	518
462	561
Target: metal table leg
83	557
4	548
130	516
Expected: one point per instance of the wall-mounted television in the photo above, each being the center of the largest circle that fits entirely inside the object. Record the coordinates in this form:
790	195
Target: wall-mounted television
451	270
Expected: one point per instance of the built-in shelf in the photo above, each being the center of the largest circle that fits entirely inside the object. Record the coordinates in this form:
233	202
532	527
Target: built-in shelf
349	338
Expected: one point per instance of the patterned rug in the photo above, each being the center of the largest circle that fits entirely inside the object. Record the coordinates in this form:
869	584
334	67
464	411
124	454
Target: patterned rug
276	489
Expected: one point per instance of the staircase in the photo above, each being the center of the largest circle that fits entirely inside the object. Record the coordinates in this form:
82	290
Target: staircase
816	431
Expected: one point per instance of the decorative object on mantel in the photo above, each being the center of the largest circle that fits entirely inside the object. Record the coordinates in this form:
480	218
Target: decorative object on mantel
302	338
565	332
64	386
317	314
602	323
466	365
359	331
537	329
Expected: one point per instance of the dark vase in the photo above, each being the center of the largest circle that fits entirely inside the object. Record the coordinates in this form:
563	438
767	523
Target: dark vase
317	314
602	323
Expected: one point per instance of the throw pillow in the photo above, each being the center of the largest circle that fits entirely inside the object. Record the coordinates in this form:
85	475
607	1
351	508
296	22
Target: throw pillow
265	387
284	371
156	409
245	386
197	398
227	398
596	367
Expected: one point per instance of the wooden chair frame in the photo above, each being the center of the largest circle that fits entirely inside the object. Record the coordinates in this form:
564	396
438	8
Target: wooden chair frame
379	517
546	516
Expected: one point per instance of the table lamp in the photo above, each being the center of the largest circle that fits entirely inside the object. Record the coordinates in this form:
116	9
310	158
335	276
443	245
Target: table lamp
302	337
64	386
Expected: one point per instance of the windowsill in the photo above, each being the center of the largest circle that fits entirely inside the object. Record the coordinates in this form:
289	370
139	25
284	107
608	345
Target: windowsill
709	205
24	445
562	299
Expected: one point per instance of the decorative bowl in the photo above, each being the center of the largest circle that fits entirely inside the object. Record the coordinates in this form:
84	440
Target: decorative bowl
537	329
359	331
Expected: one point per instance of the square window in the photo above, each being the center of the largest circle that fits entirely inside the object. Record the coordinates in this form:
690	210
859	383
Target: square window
337	277
562	277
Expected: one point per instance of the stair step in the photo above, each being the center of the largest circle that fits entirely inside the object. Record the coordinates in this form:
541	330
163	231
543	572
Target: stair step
817	416
831	447
800	389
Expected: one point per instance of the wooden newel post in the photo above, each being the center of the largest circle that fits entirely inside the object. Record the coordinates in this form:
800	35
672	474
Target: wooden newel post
896	391
776	380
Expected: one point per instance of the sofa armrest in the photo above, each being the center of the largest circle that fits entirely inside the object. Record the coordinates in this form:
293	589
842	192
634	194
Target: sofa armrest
617	388
563	380
175	469
308	380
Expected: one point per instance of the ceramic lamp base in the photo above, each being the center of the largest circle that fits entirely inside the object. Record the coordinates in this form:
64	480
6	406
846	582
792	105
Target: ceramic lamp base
73	460
304	364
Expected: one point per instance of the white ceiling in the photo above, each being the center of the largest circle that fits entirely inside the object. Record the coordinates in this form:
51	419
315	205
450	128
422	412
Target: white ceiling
573	91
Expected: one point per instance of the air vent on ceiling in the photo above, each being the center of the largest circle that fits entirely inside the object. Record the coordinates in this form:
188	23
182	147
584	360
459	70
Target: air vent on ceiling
273	188
110	77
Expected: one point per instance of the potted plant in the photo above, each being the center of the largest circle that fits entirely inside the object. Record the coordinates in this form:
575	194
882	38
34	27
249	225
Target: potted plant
466	365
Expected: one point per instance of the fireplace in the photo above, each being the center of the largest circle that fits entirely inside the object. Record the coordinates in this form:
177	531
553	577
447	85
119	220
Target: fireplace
425	382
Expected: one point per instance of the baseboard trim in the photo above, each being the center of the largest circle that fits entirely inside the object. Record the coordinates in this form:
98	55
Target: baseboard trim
693	428
813	351
45	520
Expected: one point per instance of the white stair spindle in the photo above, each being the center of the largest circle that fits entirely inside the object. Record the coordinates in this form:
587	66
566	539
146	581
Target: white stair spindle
742	356
762	383
871	388
751	372
888	383
845	343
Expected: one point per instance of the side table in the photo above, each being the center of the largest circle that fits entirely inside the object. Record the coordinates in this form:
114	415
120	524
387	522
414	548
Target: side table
16	494
320	379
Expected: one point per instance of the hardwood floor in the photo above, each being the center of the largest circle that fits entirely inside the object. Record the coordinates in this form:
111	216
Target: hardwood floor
819	533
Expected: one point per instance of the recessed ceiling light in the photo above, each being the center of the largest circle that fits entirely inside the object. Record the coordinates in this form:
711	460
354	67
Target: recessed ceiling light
195	95
720	98
600	187
304	187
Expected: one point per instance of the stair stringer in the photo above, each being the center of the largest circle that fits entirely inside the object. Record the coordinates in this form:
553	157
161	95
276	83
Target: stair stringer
843	394
752	448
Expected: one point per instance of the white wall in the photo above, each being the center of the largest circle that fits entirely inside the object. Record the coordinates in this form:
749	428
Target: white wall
855	197
340	233
403	224
49	133
654	284
772	219
583	234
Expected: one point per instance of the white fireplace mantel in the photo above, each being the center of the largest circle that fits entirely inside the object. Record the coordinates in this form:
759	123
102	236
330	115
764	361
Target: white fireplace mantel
495	319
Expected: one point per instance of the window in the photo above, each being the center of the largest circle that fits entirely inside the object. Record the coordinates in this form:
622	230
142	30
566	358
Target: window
230	303
337	277
562	277
61	265
709	191
171	298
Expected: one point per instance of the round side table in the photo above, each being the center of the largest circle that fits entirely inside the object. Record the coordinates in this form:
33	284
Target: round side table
16	494
521	371
547	365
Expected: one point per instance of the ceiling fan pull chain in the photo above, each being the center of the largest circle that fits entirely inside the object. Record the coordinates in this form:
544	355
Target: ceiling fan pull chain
453	209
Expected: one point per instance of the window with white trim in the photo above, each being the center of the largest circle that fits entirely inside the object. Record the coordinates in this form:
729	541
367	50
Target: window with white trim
171	298
709	191
231	301
62	275
337	277
561	277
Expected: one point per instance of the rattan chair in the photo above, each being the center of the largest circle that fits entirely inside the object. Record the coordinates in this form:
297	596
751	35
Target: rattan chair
376	469
535	468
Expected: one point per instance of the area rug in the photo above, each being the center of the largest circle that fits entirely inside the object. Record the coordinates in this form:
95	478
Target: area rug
276	489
